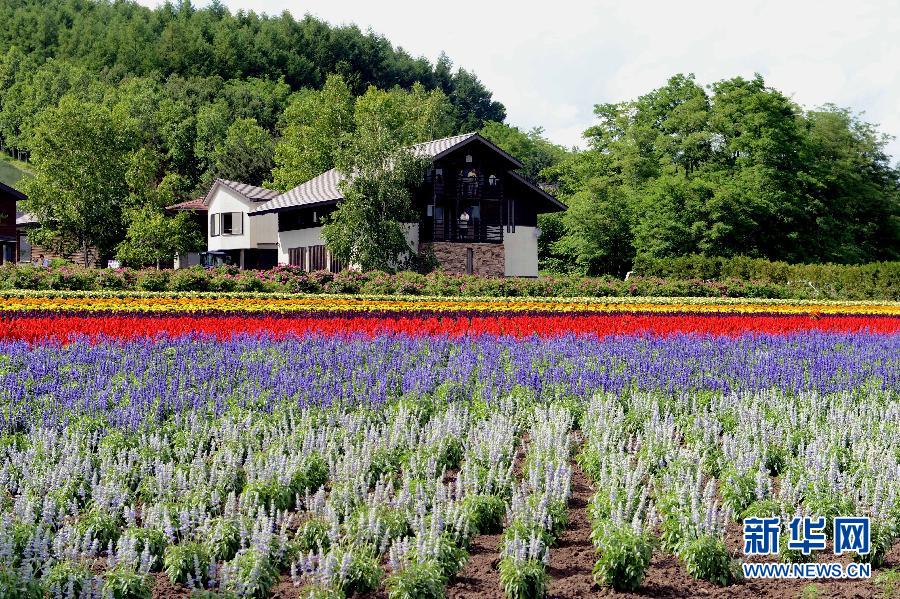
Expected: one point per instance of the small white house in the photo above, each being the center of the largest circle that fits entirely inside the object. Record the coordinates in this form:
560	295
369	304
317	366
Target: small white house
249	242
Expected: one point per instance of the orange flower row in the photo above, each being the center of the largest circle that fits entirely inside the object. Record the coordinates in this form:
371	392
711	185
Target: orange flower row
166	303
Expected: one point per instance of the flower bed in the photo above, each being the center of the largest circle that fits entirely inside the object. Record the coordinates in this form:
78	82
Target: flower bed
319	446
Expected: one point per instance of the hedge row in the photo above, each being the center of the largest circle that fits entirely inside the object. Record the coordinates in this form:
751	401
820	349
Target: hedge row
878	280
285	279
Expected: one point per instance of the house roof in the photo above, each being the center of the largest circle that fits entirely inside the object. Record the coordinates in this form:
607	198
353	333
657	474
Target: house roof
24	218
441	147
7	190
318	190
195	205
556	205
251	192
325	188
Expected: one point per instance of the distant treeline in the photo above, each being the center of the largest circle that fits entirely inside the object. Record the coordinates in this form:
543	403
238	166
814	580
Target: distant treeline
732	169
177	60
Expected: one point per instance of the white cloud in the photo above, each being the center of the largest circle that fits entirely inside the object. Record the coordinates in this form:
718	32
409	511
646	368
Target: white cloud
549	63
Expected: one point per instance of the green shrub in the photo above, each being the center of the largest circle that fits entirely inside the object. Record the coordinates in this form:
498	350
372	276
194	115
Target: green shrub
416	581
223	540
268	493
311	475
523	579
624	558
14	586
312	535
151	539
363	574
189	279
689	276
185	560
124	583
63	574
707	558
250	574
152	280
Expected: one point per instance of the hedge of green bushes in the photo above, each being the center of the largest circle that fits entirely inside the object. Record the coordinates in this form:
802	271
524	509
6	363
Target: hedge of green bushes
878	280
285	279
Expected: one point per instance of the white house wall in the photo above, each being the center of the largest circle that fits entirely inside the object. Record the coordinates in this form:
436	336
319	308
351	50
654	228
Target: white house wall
257	231
521	252
297	238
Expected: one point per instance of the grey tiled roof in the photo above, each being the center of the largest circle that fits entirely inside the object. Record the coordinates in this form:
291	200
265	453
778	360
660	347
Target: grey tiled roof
251	192
325	187
24	218
431	149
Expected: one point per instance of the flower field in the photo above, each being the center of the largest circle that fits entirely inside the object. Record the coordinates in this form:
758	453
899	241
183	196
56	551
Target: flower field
243	445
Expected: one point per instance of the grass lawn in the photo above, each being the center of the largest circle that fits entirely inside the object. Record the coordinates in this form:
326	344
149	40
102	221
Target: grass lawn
11	171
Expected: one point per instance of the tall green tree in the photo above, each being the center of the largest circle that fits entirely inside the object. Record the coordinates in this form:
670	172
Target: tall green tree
313	128
246	153
369	227
531	148
153	237
79	156
319	126
736	168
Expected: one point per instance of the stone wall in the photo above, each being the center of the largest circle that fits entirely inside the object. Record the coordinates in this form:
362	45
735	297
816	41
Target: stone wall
488	259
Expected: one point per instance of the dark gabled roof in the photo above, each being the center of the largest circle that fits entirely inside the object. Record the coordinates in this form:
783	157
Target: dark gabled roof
12	191
251	192
557	205
441	147
195	205
325	188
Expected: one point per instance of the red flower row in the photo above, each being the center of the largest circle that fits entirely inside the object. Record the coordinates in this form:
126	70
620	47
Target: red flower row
37	328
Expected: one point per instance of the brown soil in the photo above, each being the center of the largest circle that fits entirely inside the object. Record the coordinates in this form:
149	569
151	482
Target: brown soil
480	576
572	558
163	588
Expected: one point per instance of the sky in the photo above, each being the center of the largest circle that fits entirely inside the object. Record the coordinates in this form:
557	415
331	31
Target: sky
550	62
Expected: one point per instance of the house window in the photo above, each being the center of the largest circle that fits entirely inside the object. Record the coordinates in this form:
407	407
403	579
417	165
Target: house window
232	223
492	180
297	257
334	265
316	257
213	225
470	261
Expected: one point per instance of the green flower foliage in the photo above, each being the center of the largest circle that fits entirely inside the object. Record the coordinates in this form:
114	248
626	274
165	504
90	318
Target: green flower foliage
707	558
419	580
185	560
623	559
523	579
124	583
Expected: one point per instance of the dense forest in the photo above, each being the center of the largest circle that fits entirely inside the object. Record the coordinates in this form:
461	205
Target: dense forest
184	67
734	168
123	109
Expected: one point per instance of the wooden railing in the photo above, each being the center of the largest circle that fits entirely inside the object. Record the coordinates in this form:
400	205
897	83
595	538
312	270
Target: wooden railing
475	231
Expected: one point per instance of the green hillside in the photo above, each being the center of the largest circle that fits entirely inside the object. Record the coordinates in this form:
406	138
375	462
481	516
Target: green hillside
11	171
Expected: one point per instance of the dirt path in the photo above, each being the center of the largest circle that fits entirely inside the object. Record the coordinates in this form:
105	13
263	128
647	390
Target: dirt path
572	559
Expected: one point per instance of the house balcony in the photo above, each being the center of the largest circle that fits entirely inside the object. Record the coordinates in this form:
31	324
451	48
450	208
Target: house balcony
472	231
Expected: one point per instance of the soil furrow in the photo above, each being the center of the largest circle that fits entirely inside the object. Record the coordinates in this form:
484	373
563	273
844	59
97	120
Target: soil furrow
572	559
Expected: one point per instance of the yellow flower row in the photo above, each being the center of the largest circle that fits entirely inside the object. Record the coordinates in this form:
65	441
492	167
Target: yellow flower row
327	303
